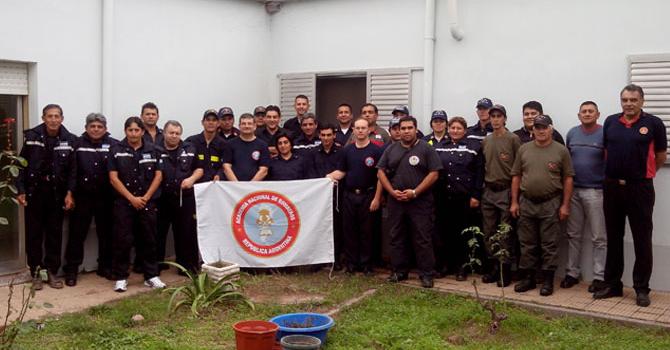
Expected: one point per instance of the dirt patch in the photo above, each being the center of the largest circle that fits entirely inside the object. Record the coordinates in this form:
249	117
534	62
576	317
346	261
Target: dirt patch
296	297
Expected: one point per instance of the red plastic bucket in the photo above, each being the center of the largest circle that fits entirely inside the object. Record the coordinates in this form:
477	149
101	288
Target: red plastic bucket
255	335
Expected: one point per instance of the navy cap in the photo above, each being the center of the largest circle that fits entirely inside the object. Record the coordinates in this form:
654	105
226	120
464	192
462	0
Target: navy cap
500	108
400	109
394	121
485	103
225	111
210	112
543	120
439	114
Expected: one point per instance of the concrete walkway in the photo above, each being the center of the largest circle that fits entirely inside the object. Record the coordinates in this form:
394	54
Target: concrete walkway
91	290
576	300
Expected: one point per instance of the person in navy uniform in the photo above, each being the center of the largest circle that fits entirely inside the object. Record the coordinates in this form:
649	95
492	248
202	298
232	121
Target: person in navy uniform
227	130
94	197
259	117
210	148
462	181
436	139
309	137
287	165
152	133
635	145
293	125
362	197
45	188
345	125
272	128
483	126
247	157
407	170
176	206
135	172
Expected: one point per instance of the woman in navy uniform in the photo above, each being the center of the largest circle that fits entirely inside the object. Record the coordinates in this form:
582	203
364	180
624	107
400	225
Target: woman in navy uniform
176	206
286	165
135	173
461	183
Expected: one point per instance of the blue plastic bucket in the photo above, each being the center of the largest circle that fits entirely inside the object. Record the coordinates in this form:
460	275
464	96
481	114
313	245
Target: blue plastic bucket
290	324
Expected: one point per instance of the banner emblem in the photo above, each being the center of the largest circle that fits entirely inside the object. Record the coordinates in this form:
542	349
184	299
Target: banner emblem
265	223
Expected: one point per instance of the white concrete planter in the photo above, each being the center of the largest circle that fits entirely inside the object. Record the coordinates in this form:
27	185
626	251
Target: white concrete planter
220	269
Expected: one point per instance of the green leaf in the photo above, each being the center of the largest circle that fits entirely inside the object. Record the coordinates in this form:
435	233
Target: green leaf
14	171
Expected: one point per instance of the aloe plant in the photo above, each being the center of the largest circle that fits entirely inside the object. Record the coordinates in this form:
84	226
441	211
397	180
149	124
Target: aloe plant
202	293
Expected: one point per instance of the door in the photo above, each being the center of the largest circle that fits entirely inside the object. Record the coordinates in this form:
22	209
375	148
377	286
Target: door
12	255
332	91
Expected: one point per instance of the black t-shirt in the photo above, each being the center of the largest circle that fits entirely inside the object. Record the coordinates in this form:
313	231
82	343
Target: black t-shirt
407	167
323	163
359	164
294	168
246	157
631	148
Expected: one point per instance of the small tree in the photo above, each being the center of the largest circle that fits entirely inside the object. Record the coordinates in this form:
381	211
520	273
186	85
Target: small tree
501	254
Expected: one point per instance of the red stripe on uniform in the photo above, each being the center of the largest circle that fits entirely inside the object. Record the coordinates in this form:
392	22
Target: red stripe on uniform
651	161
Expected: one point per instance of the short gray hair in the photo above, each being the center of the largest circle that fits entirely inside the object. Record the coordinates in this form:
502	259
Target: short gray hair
96	117
173	123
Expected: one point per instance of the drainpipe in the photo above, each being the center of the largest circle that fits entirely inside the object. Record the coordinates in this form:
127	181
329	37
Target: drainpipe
106	93
452	16
428	57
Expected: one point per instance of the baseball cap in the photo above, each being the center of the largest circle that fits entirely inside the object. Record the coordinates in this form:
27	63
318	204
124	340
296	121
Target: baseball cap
484	103
439	114
394	121
500	108
209	112
259	110
543	120
225	111
401	109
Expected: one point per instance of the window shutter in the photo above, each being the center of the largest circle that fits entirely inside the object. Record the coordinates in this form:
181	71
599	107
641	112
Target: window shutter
13	78
292	85
652	73
387	88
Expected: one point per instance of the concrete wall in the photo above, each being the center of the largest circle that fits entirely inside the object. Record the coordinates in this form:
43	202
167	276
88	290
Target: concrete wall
184	55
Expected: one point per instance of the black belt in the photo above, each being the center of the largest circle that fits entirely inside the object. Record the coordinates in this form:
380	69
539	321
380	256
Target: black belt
624	182
497	187
542	199
360	190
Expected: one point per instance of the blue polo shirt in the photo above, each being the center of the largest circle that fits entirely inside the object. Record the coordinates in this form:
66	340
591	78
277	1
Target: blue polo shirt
632	146
360	165
246	157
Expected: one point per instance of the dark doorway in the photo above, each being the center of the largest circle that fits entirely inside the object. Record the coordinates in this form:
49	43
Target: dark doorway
333	90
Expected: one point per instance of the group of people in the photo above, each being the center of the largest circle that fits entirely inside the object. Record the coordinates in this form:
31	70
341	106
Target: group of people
432	188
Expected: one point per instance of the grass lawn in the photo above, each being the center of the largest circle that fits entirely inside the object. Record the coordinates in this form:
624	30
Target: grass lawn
395	317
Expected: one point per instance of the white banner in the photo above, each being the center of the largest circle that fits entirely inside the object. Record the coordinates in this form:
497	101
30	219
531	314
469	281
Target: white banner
266	223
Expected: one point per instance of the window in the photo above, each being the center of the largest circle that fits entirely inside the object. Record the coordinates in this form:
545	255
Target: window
652	73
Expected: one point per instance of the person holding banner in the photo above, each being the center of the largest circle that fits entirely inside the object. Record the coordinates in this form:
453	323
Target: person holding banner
135	171
287	165
176	206
362	197
407	170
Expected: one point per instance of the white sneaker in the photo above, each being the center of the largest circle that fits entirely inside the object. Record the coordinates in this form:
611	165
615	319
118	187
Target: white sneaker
121	286
154	283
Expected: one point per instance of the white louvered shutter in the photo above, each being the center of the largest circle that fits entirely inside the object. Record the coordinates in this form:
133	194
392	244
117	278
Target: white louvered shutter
292	85
652	73
13	78
387	88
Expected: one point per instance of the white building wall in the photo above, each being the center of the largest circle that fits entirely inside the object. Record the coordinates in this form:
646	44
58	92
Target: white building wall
559	53
62	38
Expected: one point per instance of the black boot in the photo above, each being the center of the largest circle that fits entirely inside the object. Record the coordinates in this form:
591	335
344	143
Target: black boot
506	278
494	274
548	284
527	283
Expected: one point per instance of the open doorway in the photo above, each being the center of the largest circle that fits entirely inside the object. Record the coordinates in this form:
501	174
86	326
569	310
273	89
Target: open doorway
11	243
331	91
